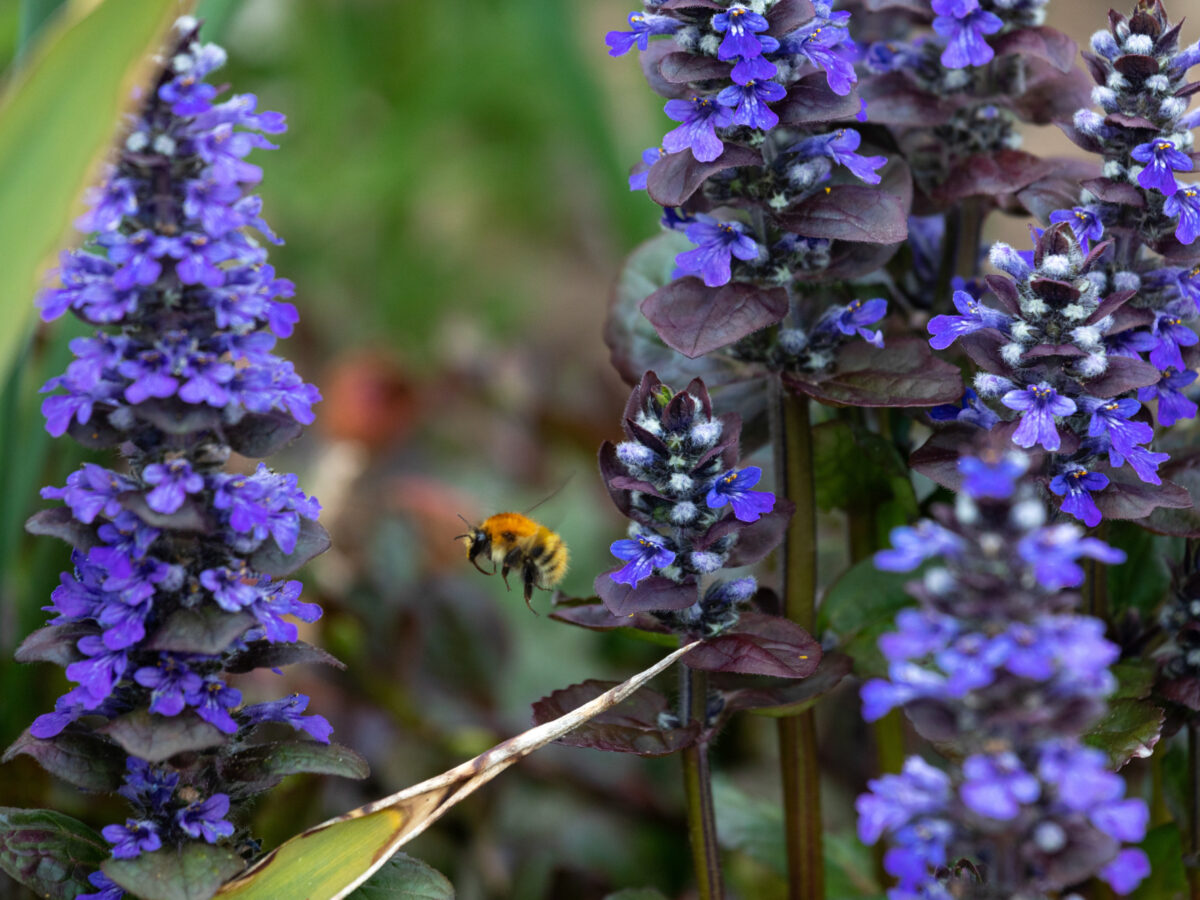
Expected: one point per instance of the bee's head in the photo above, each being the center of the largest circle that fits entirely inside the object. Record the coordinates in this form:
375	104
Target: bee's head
475	539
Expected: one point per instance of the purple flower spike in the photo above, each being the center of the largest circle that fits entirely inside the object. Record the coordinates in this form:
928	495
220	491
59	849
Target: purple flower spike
1184	205
1172	334
996	786
643	26
288	710
1084	221
734	488
749	103
716	242
827	47
740	27
701	117
1052	551
974	317
170	681
894	800
107	888
1038	406
1161	161
206	819
172	482
1076	486
644	554
963	25
841	147
135	837
970	410
996	480
213	700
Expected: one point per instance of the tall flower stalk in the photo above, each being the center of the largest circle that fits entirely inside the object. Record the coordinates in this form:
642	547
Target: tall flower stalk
178	576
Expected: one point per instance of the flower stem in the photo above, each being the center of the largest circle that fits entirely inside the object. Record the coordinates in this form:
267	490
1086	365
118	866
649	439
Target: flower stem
697	788
1193	808
798	734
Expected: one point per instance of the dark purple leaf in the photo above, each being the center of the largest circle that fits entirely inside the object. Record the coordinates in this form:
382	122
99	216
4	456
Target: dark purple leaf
917	7
77	756
1045	351
267	655
849	259
894	100
192	872
1128	498
293	757
850	212
1188	89
651	59
788	15
759	538
591	613
1137	123
759	645
695	319
174	416
728	447
1184	691
1183	521
1116	192
690	4
1136	66
1050	95
683	67
49	853
191	517
55	644
206	629
270	560
1005	291
259	435
60	523
629	727
786	698
1058	191
809	101
96	433
1042	42
904	373
654	592
1123	374
1109	305
674	178
157	738
992	175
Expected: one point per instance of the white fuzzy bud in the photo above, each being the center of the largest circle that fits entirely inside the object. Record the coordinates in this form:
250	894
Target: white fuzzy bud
965	509
679	462
955	79
1104	98
1103	45
988	385
938	581
1160	84
1007	260
1056	266
164	144
778	202
1033	307
705	434
684	513
1127	281
1115	81
1112	169
1093	365
821	360
1028	515
687	38
1011	354
1141	44
709	44
634	454
648	423
1089	122
137	142
705	562
1086	337
1021	331
1172	107
1049	836
1074	312
680	483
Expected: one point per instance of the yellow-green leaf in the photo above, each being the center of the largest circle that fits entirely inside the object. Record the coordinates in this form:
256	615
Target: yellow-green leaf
329	861
58	116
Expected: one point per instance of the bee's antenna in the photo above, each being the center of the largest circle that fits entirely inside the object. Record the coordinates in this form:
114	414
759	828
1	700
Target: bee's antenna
470	533
550	495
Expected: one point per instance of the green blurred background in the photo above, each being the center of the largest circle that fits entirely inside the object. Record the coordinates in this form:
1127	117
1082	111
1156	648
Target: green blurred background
453	194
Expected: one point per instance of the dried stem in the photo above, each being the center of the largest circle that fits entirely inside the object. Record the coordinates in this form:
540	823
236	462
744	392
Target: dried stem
797	734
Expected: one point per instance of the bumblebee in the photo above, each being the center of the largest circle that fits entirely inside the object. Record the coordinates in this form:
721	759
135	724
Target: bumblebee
513	541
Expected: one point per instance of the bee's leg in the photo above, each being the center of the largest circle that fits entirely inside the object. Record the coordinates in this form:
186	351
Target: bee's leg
530	574
504	575
475	563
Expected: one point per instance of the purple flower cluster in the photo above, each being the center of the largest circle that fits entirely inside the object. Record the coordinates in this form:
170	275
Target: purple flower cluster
178	572
676	476
996	664
1063	349
764	94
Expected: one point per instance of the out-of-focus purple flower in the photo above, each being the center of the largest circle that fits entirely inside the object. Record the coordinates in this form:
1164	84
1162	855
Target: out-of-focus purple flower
716	243
700	118
911	546
135	837
148	787
1161	160
289	711
107	889
963	24
90	492
919	632
110	204
172	482
1054	549
1084	221
895	800
1127	871
970	410
1038	406
206	819
1076	485
741	26
997	785
642	27
643	555
1184	205
1173	404
974	317
992	479
749	103
735	489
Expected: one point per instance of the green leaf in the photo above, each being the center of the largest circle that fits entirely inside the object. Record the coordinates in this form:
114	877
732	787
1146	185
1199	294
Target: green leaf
856	469
860	606
1167	879
193	872
405	878
49	853
156	738
1129	729
57	118
260	767
1142	581
1135	679
637	894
